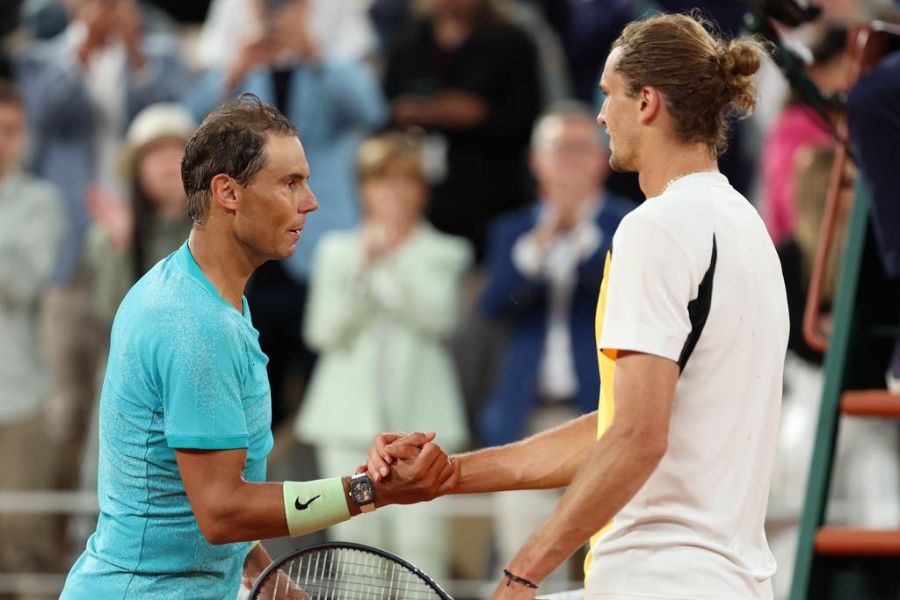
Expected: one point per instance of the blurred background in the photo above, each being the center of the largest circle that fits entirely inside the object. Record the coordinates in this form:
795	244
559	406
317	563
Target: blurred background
448	280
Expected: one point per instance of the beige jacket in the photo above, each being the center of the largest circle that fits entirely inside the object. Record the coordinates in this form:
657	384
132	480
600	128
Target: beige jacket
384	365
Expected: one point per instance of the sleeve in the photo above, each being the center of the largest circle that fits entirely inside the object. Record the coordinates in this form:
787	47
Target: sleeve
651	281
201	364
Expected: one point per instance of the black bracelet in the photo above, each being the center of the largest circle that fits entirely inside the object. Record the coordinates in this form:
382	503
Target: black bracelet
511	578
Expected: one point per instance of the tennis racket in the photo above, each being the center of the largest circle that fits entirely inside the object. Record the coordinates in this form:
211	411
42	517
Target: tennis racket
344	571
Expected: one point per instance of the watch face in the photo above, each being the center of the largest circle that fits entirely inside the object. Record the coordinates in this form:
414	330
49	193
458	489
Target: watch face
362	489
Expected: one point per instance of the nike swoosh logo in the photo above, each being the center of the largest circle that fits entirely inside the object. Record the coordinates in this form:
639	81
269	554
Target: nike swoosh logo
303	505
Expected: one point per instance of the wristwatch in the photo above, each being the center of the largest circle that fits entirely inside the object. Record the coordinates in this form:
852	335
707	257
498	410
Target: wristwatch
362	492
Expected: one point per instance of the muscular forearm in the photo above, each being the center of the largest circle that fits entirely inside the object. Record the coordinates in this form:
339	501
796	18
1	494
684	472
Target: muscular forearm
616	468
252	511
546	460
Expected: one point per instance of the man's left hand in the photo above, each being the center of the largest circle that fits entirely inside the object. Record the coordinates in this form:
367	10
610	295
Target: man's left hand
280	585
256	562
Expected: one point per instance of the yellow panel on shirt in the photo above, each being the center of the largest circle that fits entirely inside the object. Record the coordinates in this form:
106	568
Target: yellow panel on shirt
607	361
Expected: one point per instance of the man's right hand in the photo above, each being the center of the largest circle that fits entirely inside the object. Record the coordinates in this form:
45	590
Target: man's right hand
417	469
390	446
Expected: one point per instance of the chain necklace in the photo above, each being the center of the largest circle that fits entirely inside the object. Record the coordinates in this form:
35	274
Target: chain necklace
677	177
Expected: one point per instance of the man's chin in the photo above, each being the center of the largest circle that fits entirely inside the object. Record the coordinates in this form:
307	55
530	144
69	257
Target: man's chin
620	166
284	253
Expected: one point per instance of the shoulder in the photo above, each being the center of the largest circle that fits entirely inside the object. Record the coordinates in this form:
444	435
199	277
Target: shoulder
170	304
655	231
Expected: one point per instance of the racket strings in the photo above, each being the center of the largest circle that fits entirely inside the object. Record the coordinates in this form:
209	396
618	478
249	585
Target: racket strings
350	574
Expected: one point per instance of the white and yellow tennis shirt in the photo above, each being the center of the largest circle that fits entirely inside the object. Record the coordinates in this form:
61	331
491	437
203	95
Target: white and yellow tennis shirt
694	277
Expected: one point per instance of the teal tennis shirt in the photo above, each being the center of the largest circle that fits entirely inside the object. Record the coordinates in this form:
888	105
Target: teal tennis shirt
185	371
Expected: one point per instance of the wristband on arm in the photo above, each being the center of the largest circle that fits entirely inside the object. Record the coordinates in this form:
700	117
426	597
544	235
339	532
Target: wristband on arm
313	505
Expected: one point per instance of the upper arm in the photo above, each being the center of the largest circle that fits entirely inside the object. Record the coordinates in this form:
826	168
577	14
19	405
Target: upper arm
202	367
647	324
644	394
210	478
652	280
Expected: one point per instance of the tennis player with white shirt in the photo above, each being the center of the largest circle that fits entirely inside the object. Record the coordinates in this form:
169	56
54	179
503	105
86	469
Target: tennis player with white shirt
669	478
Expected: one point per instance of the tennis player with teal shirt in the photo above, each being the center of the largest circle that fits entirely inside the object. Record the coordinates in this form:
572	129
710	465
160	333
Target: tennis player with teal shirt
185	411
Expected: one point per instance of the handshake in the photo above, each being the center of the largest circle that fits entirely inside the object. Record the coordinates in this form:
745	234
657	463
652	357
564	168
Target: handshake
409	468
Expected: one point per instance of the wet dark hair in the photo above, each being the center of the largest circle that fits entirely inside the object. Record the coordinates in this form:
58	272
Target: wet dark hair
230	140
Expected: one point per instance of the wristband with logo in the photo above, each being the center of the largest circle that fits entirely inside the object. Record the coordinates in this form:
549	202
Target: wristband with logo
313	505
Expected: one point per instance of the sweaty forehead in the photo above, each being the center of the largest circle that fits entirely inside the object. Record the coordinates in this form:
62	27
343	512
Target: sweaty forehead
284	155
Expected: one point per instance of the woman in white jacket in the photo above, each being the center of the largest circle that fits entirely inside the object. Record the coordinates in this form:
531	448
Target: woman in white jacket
382	299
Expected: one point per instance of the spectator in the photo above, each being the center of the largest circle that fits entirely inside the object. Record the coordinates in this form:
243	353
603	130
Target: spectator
587	29
799	126
332	102
865	446
82	89
469	78
382	299
31	227
544	272
874	119
798	253
341	29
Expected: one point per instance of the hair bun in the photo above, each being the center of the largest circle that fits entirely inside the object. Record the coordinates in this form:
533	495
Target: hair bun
740	60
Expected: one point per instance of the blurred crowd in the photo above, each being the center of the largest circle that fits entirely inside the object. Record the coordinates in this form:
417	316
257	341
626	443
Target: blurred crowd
448	280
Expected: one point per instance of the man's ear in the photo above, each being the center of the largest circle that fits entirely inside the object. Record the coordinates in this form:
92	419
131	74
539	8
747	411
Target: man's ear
650	100
224	191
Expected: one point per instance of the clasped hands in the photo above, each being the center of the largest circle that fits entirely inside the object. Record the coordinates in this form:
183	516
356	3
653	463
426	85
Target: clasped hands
409	468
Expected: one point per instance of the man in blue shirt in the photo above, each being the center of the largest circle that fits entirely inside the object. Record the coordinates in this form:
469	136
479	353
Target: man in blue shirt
185	412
